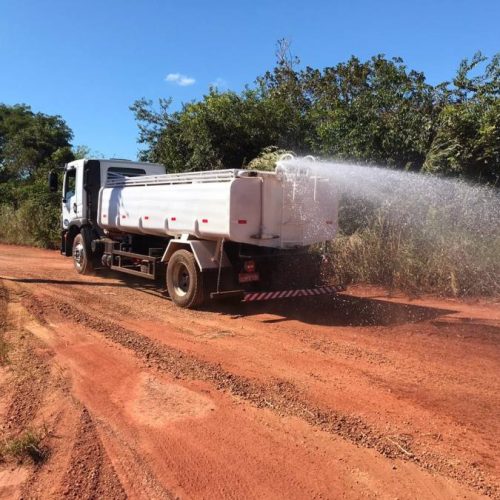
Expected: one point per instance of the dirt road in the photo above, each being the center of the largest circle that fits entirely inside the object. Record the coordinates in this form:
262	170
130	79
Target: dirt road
361	395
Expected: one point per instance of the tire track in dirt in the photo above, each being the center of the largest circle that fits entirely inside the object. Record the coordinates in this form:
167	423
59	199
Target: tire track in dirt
90	474
3	323
201	326
280	396
30	389
77	468
28	371
39	401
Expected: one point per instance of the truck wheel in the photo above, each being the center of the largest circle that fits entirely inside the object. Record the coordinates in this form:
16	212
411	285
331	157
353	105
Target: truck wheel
184	280
81	258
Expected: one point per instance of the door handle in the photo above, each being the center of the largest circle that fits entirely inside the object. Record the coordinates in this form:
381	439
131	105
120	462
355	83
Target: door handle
74	207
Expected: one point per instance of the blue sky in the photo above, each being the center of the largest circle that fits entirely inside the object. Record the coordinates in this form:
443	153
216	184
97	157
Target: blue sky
89	60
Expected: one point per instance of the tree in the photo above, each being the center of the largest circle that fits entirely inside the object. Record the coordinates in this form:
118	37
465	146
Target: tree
227	129
223	130
31	141
467	140
30	145
375	111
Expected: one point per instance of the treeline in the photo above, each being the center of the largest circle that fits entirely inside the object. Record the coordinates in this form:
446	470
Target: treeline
374	112
31	144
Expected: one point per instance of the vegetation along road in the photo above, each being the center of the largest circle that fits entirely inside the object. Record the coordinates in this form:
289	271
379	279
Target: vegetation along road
109	391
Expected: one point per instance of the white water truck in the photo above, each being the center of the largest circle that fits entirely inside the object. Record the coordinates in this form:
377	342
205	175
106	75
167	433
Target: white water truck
215	233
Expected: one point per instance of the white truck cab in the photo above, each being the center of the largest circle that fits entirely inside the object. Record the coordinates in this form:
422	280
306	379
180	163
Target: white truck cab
83	180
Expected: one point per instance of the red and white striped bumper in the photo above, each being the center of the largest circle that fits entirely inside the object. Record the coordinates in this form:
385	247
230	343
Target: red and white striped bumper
284	294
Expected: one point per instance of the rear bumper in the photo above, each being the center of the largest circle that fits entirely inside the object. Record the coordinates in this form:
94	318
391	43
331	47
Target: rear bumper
285	294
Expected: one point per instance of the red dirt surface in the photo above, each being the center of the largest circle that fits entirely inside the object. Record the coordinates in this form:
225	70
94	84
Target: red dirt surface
360	395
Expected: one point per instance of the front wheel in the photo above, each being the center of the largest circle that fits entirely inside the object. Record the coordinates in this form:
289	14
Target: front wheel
81	258
184	280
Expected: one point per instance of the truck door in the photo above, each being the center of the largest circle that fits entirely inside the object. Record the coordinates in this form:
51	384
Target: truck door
72	196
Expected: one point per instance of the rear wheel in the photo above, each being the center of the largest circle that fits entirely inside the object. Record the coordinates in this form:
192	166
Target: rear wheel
184	280
81	256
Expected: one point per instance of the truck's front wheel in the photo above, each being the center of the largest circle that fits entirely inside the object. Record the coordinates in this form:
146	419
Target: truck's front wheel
184	280
81	258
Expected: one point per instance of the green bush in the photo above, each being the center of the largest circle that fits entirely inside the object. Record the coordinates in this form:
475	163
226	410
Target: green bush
34	222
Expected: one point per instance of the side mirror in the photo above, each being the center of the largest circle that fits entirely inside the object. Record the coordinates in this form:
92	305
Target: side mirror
53	181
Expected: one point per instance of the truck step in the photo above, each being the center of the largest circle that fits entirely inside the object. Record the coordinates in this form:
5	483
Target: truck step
227	295
300	292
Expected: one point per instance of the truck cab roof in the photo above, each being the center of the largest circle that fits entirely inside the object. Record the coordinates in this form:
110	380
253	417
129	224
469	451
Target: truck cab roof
114	161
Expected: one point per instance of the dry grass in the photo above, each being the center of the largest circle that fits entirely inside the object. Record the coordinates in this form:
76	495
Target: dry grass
4	345
29	225
26	445
4	351
428	258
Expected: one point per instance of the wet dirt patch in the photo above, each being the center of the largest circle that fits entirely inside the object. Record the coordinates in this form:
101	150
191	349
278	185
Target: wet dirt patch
338	310
158	402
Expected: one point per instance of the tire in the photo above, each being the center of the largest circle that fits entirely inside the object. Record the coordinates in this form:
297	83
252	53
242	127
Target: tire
81	256
184	280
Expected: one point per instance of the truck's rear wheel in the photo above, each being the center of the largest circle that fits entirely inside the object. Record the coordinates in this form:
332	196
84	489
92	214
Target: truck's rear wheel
184	280
81	258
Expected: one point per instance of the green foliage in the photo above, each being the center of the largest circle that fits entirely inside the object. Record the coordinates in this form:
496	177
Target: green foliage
223	130
267	159
31	144
467	139
34	219
374	112
82	151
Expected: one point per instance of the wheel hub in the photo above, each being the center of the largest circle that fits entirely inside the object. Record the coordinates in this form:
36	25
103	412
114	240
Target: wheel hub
78	255
181	279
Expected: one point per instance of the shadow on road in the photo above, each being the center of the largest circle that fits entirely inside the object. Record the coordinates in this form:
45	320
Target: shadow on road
334	310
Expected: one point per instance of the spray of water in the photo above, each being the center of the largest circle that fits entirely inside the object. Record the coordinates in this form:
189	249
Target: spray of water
411	230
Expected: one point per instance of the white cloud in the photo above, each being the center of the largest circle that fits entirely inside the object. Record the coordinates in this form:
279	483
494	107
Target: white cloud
179	79
220	83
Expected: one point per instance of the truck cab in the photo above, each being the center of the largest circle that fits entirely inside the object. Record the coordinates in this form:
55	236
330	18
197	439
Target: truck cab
83	180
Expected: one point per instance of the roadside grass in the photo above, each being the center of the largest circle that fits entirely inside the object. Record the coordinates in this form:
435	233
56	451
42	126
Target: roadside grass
429	258
29	444
29	225
4	345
